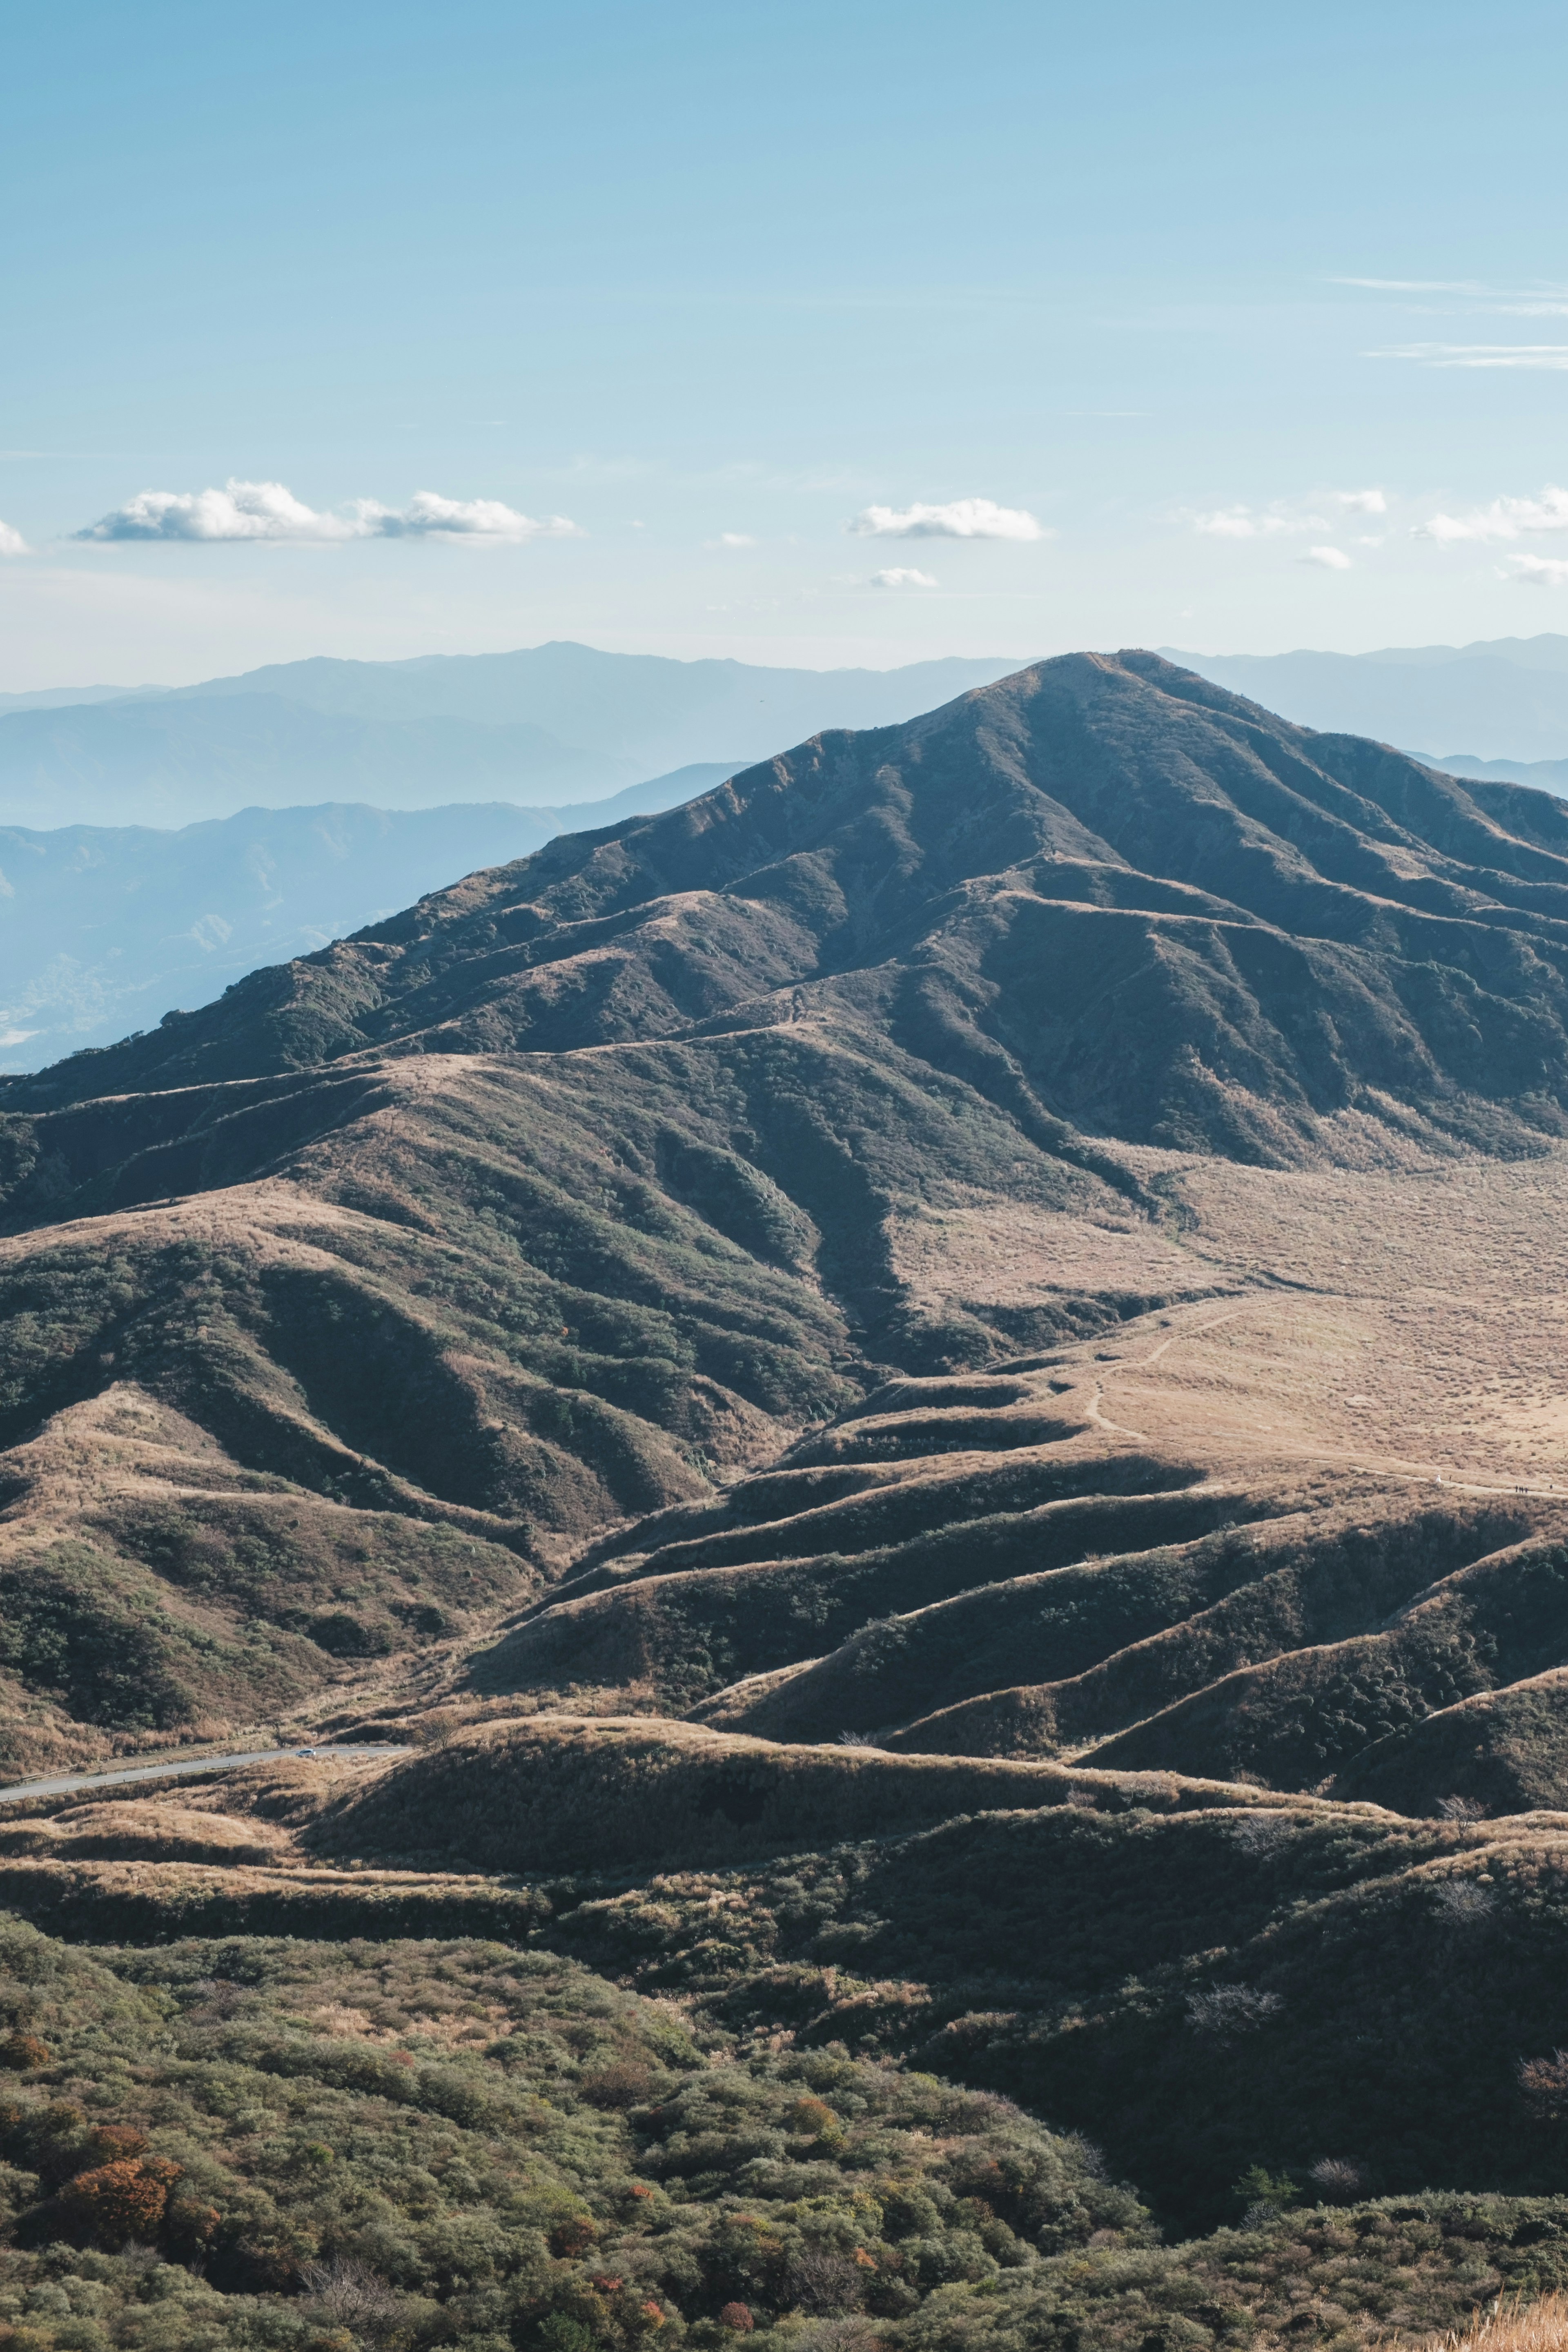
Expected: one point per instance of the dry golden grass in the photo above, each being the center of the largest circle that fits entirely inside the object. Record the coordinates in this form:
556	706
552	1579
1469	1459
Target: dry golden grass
156	1831
1409	1319
551	1792
1516	2326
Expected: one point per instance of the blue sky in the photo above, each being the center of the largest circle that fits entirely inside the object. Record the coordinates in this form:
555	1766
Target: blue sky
1251	322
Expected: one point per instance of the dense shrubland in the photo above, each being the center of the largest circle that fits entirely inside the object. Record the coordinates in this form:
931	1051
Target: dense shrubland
211	2142
306	2146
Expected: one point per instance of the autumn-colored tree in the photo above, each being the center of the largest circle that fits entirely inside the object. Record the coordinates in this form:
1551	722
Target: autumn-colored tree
575	2235
738	2317
123	2199
19	2053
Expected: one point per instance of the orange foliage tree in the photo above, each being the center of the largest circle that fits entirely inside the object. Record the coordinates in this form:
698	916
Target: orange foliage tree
123	2199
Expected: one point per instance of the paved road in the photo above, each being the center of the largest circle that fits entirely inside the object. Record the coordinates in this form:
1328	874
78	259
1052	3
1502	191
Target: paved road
70	1781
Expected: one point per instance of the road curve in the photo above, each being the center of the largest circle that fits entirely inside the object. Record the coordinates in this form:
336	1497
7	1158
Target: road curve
68	1782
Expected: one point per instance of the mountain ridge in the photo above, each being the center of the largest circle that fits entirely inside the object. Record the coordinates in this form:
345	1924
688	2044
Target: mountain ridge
1395	931
1502	699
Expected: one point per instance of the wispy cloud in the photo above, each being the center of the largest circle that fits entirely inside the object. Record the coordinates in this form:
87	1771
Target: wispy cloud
1285	516
1545	295
959	518
1328	559
731	539
1539	571
1477	355
268	511
1503	518
1288	519
1255	523
12	541
1415	284
902	575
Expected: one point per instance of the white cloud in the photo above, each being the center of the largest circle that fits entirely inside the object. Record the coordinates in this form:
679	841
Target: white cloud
429	516
1542	300
731	539
268	511
12	541
1332	559
1228	522
1255	523
1539	571
959	518
1504	519
1477	355
902	575
1361	502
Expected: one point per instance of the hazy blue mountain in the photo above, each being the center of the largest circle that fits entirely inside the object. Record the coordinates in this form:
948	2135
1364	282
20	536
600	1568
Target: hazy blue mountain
167	762
638	707
558	723
1546	775
104	930
66	697
1505	699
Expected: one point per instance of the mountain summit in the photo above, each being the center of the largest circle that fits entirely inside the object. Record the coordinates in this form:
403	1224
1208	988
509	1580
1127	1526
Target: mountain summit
1103	893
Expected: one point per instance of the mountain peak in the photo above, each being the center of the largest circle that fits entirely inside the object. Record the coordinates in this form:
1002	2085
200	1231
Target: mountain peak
1126	895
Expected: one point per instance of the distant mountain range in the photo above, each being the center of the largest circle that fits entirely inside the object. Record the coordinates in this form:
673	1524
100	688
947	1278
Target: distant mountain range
555	724
1503	700
103	928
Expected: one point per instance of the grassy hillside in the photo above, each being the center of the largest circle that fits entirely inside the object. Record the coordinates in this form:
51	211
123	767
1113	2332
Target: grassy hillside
1501	1751
545	1793
107	925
